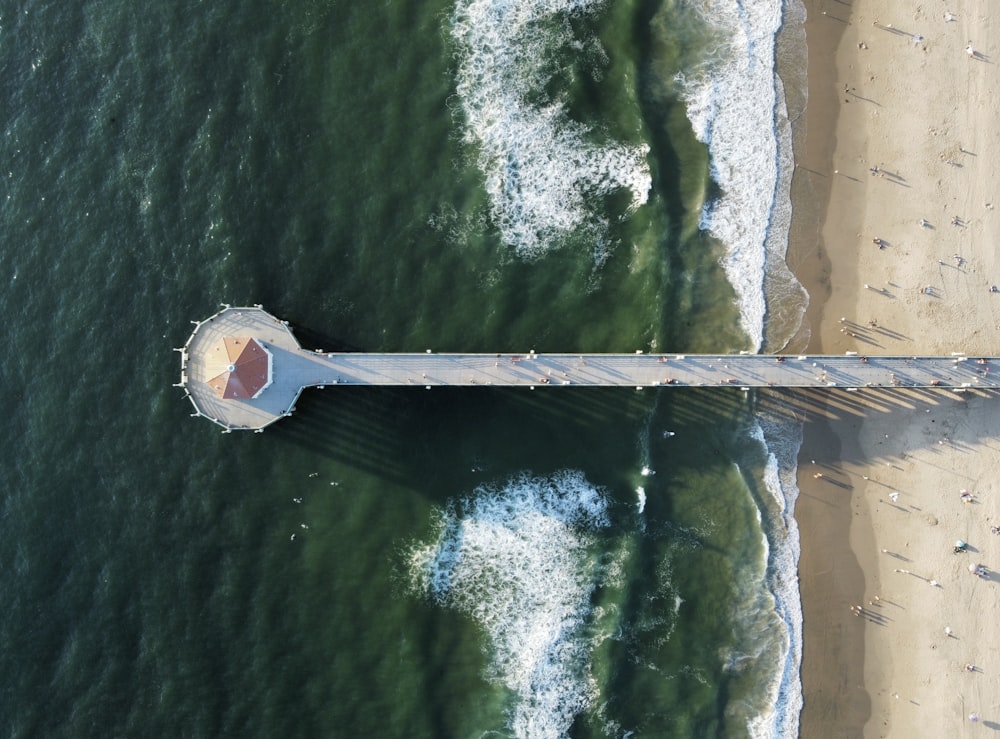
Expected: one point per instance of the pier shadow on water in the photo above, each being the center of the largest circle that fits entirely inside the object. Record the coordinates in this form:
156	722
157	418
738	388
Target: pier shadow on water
403	434
399	433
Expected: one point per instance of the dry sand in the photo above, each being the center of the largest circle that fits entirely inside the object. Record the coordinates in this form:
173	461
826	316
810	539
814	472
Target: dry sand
893	89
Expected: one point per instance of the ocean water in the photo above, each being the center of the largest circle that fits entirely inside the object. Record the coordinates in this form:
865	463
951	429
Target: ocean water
460	175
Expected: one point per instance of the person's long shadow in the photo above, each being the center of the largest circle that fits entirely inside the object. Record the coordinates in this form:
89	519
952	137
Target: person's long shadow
838	483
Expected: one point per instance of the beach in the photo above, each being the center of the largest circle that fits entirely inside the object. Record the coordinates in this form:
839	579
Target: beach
894	238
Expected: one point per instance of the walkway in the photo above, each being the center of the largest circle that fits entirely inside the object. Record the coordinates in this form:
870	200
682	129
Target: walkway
294	368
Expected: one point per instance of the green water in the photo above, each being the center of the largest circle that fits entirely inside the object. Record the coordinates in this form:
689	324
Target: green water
309	156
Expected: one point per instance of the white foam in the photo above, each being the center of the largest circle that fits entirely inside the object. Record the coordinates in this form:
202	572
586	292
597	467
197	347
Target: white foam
640	494
540	166
516	560
735	105
782	439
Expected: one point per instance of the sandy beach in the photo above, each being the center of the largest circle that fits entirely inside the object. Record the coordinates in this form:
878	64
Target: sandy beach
894	236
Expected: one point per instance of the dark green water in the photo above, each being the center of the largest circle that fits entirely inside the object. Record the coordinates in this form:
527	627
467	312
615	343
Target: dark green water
161	158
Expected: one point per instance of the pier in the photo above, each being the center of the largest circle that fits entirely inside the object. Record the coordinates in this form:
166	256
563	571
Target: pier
243	369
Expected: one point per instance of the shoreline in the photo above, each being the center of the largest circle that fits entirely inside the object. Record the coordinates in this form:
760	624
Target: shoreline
877	470
829	572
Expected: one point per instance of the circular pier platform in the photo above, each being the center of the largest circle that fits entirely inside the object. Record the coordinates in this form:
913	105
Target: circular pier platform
233	368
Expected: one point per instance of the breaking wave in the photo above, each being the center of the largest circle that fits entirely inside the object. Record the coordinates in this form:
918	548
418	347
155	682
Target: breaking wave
517	560
542	169
736	105
782	439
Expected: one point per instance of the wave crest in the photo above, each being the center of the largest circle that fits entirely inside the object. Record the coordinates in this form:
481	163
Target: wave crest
736	106
540	167
517	560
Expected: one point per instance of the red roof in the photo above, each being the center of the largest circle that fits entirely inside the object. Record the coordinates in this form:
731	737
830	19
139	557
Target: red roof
243	366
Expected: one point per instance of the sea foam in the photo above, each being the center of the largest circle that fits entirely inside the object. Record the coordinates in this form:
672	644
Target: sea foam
515	558
736	106
782	438
542	169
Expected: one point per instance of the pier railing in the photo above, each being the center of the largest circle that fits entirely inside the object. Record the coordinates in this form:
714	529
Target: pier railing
294	369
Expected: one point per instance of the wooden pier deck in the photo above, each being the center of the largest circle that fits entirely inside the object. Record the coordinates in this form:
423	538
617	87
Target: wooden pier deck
294	369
